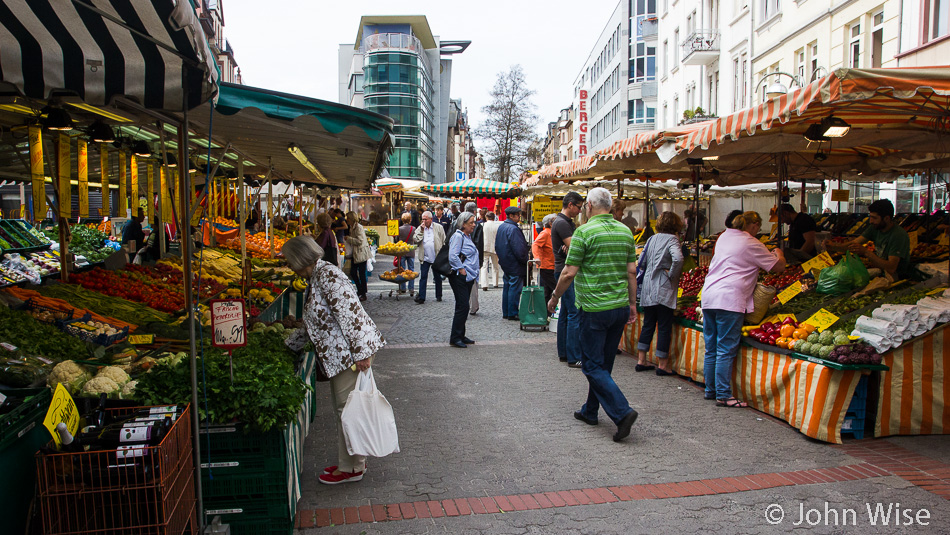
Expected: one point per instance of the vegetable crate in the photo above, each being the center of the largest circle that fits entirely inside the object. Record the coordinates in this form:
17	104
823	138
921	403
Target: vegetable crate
78	328
48	315
857	410
16	232
21	435
244	479
87	493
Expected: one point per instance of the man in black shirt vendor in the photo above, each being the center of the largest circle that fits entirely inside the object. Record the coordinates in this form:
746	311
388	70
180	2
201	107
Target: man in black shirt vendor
891	242
801	234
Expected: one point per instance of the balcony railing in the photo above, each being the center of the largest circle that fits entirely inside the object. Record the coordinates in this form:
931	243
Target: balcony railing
700	47
399	41
648	28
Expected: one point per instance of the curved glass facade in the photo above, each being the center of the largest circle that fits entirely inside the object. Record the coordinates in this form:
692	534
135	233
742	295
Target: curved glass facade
398	84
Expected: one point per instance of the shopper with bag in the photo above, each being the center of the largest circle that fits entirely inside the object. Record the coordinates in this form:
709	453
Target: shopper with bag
661	264
344	338
358	248
326	239
727	296
463	263
408	261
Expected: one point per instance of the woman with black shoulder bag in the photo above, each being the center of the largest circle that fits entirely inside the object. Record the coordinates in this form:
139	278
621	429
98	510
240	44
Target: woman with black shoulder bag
463	261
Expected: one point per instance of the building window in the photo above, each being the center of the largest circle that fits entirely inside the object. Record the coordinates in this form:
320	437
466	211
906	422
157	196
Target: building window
639	113
666	56
676	109
666	115
936	15
643	63
676	48
770	8
877	39
745	80
854	46
736	84
713	94
800	64
814	61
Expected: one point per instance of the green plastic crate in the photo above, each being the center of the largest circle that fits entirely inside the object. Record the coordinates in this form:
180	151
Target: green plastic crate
22	433
251	515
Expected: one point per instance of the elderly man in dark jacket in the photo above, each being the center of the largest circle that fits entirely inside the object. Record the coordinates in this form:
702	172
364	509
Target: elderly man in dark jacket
512	250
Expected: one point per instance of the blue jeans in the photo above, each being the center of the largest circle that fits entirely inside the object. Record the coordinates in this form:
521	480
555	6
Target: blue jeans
721	331
408	262
424	279
654	317
511	295
568	326
602	333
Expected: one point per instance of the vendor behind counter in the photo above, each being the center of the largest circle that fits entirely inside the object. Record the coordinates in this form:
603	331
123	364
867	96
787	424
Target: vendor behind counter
891	242
801	233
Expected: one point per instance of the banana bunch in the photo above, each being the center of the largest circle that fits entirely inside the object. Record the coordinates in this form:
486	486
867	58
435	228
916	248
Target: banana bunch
299	284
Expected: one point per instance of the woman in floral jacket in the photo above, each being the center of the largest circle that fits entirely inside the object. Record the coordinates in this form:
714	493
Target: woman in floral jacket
344	338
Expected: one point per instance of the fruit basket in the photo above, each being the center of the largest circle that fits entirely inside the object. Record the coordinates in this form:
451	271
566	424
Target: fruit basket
46	314
398	275
397	249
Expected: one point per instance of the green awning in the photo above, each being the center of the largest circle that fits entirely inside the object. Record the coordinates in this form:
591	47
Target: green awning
474	187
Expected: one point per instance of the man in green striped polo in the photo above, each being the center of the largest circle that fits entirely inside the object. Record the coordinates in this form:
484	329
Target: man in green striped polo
601	261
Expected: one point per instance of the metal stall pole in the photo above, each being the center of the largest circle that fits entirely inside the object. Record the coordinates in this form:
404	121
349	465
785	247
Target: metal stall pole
781	159
243	220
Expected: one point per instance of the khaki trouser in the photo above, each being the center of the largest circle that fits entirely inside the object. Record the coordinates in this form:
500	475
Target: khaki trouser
491	258
340	387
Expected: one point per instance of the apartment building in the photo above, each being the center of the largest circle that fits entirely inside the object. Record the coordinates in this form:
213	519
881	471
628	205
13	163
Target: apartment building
211	15
925	36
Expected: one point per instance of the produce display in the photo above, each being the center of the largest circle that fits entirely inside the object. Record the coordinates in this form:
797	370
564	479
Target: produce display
34	338
161	290
399	274
929	250
692	282
256	245
264	376
396	248
91	243
113	309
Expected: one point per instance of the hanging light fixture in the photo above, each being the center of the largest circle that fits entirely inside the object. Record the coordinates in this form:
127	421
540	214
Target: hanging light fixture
832	126
100	132
140	148
813	134
302	158
776	89
170	158
57	119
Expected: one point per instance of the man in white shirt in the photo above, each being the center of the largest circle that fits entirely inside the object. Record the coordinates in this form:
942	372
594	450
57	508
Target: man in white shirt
490	228
430	239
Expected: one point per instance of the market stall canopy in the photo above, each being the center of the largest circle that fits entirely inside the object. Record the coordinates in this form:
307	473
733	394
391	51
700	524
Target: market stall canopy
301	138
153	53
565	169
473	187
390	185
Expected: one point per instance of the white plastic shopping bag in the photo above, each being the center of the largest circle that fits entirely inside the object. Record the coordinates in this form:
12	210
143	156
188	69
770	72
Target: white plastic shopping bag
369	425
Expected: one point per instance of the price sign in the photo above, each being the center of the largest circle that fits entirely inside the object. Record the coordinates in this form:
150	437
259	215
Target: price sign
141	339
822	320
913	239
782	317
787	294
679	292
820	262
61	410
228	323
840	195
392	227
542	206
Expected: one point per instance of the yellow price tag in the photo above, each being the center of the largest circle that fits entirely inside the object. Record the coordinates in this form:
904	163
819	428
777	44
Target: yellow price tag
787	294
820	262
822	320
913	239
392	227
699	296
141	339
62	410
778	318
679	292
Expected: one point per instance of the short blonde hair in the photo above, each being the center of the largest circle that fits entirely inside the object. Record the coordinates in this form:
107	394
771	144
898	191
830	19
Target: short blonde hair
741	222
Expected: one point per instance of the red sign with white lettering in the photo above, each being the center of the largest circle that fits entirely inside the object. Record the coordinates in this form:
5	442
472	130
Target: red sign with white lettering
582	124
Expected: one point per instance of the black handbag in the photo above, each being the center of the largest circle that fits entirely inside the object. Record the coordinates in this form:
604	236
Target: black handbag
441	264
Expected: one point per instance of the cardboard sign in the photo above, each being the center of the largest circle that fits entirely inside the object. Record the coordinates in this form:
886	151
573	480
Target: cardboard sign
840	195
62	410
542	206
228	323
141	339
787	294
392	227
820	262
913	239
822	320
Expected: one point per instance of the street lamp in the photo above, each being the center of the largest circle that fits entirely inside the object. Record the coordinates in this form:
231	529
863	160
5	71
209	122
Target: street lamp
776	88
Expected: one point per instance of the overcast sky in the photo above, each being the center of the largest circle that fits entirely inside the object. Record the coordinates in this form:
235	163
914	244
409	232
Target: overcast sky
291	45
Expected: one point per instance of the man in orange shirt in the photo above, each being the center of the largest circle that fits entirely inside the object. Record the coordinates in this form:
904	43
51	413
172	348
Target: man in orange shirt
542	250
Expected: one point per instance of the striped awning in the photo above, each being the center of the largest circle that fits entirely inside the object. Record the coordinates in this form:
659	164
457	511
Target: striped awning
566	169
472	186
915	99
153	52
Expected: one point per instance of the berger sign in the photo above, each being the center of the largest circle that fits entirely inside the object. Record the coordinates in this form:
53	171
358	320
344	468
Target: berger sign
582	124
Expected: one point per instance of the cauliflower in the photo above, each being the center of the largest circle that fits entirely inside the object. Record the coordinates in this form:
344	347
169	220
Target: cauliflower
128	391
100	385
115	373
69	374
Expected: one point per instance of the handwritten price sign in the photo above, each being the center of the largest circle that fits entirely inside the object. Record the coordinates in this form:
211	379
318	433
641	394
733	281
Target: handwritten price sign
788	293
61	410
392	227
820	262
822	320
228	323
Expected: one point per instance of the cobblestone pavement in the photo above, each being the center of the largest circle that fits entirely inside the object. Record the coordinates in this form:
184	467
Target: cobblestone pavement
489	445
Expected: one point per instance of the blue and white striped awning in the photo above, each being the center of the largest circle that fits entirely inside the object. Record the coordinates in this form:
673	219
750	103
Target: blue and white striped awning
149	51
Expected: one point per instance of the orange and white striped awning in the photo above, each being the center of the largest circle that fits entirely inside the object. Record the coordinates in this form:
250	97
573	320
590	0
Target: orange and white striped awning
566	169
864	98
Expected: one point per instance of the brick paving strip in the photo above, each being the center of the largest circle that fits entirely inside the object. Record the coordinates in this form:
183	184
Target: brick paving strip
514	341
881	457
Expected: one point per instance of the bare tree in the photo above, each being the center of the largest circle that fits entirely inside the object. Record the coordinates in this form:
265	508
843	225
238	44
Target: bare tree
508	128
